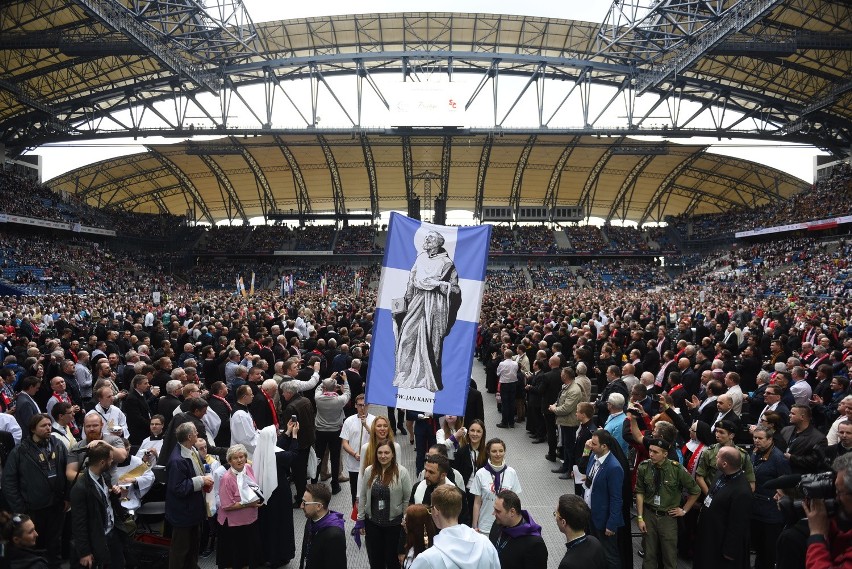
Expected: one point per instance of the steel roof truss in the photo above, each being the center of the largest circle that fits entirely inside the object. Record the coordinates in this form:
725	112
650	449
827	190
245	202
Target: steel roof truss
582	76
336	184
316	79
629	182
446	163
267	199
484	159
551	197
185	181
303	199
518	178
233	200
372	178
667	183
537	77
120	19
408	168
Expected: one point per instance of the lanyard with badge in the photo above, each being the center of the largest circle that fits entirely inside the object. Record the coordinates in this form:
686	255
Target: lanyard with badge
720	483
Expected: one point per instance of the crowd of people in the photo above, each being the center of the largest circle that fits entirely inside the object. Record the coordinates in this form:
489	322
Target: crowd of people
827	198
617	383
357	239
506	278
801	267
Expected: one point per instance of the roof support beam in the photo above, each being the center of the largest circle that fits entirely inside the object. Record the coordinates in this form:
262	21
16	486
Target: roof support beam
113	15
518	178
267	201
594	175
303	199
336	184
825	99
551	197
484	160
667	183
446	162
408	167
739	16
629	182
372	178
225	182
184	181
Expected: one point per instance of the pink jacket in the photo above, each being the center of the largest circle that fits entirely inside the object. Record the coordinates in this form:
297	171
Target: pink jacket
229	495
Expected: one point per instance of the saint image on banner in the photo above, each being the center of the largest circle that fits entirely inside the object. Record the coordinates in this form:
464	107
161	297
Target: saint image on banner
425	316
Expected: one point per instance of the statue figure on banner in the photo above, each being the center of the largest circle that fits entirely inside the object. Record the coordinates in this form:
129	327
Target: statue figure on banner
425	316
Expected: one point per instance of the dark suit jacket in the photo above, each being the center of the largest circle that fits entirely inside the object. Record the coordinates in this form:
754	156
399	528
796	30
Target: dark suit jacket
549	388
25	408
88	517
261	412
166	407
135	407
474	409
723	528
708	414
223	437
651	361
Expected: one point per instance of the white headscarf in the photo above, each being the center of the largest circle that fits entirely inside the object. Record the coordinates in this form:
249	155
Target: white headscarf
265	466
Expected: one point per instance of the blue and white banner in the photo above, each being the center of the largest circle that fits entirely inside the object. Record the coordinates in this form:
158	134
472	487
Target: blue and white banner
427	311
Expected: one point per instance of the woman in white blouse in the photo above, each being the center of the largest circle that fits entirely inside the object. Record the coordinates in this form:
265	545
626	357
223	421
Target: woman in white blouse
495	476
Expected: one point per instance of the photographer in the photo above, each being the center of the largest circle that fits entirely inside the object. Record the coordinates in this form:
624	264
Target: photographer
830	541
330	400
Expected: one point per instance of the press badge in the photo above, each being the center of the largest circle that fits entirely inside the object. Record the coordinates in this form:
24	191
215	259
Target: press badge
707	501
381	504
656	500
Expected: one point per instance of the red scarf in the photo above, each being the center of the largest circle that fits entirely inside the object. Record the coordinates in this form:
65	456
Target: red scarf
271	409
225	401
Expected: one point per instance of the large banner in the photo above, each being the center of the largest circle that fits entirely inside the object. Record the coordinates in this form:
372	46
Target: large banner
427	313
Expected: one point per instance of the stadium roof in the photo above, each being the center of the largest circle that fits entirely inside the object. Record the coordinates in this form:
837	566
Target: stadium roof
88	69
245	177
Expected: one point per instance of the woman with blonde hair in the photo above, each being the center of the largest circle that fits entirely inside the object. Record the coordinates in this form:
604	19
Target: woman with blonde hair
384	492
451	434
380	432
420	532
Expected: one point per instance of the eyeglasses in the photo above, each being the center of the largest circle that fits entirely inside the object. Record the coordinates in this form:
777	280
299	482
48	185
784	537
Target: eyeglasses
304	503
429	509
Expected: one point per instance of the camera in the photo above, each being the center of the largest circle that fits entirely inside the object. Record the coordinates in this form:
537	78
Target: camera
294	418
818	486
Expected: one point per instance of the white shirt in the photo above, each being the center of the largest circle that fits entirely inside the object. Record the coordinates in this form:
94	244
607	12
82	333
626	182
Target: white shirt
148	443
801	392
736	394
9	424
243	431
507	371
354	433
113	418
587	490
483	486
144	480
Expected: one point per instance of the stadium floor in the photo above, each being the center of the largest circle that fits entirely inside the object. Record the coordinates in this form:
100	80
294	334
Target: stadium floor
541	488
